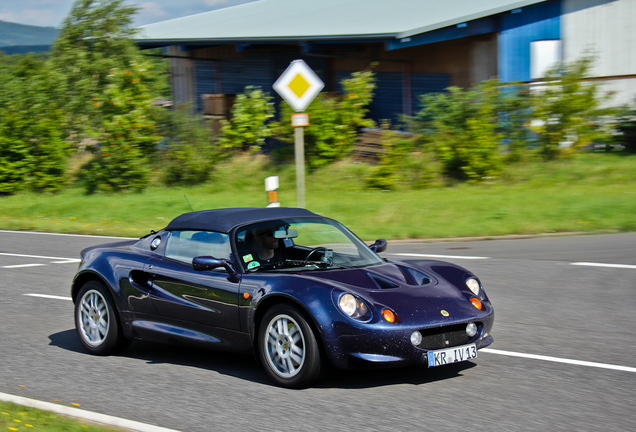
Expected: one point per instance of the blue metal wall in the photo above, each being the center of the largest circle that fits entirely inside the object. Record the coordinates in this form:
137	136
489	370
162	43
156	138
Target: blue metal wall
205	72
520	27
387	101
255	69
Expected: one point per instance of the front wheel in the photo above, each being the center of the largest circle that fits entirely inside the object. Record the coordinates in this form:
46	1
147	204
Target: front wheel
288	348
96	320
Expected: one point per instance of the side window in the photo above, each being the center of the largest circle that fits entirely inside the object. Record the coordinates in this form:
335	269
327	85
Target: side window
185	245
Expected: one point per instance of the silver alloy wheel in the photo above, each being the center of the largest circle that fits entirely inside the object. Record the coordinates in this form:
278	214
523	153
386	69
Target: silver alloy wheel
285	345
93	318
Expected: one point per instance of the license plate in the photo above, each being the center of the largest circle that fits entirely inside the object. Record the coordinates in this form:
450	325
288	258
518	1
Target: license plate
452	355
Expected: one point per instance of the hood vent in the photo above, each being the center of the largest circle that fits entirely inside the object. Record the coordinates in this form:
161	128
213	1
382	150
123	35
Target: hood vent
414	276
383	283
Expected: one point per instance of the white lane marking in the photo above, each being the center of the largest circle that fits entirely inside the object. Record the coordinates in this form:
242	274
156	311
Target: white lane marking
591	264
48	296
83	414
441	256
560	360
57	260
65	235
61	259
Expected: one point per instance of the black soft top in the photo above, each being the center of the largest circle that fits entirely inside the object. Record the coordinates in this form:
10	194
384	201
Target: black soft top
223	220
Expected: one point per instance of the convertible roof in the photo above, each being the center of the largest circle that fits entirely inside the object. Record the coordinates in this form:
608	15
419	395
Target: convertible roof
223	220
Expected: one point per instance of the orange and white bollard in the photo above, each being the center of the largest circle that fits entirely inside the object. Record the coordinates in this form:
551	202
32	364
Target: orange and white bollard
271	187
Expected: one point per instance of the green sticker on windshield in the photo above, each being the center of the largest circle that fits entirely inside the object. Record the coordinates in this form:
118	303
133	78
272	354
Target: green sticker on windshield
247	258
253	265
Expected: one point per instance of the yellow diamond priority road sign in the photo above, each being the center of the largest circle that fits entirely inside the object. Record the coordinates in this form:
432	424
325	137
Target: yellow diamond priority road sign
298	85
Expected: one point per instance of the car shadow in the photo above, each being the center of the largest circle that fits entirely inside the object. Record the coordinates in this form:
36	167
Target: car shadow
67	340
369	378
241	366
245	367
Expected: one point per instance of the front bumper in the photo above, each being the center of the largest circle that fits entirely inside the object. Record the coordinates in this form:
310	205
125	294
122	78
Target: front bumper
386	345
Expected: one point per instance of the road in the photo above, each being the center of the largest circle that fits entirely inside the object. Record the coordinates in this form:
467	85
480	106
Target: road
564	356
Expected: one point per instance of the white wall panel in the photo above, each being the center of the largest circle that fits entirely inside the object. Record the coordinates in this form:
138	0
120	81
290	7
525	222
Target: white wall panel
606	28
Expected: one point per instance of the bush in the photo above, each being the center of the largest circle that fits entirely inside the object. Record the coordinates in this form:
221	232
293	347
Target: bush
403	164
250	124
187	151
333	121
567	113
461	128
626	126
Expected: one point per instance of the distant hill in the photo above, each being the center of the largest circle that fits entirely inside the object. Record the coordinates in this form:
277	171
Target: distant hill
30	38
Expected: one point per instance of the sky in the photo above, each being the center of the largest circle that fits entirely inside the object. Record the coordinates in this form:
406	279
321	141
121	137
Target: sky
51	13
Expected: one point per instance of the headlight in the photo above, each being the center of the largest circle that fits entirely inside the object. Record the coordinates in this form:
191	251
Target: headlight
353	306
473	285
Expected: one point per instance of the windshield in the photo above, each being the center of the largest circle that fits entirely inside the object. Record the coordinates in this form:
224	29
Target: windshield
301	245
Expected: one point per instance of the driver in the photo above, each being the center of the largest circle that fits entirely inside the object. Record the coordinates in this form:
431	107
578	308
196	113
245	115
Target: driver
267	245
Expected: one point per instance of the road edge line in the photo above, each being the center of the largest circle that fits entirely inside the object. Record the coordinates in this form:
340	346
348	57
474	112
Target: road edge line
83	414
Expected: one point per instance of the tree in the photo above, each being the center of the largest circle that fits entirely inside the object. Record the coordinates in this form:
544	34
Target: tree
95	39
108	91
126	133
33	150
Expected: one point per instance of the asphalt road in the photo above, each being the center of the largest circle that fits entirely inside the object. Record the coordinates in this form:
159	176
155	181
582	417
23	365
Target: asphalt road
564	356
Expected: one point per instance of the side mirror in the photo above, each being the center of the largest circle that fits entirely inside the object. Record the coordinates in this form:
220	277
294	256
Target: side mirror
379	246
202	263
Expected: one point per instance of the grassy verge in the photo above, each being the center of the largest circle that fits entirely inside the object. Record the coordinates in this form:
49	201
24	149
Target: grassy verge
590	193
19	418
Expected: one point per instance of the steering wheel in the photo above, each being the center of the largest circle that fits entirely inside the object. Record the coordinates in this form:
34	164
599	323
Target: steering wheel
316	249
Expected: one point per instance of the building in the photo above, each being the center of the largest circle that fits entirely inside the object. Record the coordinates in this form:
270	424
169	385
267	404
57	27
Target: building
413	46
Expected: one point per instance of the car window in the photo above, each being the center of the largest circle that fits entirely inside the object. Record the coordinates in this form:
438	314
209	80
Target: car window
329	236
185	245
303	244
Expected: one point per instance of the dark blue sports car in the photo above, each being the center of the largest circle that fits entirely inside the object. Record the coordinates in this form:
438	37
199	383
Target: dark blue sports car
298	289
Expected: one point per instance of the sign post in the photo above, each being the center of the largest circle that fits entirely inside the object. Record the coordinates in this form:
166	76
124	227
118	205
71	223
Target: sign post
299	85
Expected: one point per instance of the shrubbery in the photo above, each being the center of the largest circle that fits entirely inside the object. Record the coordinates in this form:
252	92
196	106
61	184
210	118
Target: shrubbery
94	94
33	149
187	153
250	123
334	121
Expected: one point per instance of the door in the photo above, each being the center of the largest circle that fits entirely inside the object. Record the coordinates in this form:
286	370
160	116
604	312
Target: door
181	293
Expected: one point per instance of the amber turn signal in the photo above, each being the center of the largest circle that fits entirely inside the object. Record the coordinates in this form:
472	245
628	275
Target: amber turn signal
389	315
477	303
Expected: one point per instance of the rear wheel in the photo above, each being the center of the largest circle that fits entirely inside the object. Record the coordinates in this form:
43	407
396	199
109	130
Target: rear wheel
96	320
288	348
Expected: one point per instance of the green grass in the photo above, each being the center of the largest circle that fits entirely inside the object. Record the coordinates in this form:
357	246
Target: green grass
586	193
19	418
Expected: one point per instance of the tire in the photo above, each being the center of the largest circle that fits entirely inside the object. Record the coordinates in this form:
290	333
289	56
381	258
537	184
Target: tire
96	320
288	349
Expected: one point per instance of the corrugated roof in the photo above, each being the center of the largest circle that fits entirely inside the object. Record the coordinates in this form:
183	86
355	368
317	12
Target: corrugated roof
280	20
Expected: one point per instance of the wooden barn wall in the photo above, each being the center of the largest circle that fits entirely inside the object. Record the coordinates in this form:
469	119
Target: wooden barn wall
402	75
182	76
459	58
